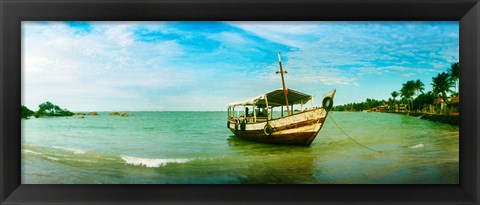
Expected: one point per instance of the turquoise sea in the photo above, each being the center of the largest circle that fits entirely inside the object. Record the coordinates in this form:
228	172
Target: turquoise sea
197	148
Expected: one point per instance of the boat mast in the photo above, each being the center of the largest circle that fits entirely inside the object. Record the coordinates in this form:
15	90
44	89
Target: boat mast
285	90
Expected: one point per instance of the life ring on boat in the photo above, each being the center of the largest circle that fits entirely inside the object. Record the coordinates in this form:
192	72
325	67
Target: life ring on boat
268	130
243	125
236	125
327	103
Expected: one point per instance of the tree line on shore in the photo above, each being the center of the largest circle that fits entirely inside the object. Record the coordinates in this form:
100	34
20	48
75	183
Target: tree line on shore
45	109
413	98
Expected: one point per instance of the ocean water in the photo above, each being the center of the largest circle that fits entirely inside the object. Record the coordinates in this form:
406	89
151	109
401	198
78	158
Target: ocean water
197	148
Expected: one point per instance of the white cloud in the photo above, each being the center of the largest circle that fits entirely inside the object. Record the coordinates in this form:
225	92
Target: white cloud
281	32
407	75
119	34
229	38
94	68
111	67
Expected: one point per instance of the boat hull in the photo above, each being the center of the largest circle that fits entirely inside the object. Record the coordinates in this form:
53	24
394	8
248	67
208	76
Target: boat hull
297	129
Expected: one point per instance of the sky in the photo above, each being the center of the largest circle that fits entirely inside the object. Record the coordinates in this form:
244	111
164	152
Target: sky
203	66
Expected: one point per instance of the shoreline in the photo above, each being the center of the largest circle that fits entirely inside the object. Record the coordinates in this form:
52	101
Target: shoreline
445	119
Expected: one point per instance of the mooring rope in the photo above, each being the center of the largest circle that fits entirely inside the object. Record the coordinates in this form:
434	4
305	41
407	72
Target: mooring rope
351	137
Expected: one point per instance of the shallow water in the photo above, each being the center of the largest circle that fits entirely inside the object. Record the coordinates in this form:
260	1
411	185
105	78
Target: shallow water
197	148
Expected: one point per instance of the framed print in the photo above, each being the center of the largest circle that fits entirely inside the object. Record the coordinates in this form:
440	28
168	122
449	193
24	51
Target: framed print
239	102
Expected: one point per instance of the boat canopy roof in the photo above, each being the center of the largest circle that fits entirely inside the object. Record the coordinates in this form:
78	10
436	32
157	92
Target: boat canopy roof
275	98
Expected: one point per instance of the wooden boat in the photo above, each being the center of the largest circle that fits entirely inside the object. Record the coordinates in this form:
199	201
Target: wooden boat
260	124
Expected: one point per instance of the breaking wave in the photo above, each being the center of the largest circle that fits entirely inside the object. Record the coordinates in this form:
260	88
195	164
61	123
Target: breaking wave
151	162
417	146
52	158
75	151
31	152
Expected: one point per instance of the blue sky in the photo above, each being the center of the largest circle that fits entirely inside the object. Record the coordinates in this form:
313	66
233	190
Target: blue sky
135	66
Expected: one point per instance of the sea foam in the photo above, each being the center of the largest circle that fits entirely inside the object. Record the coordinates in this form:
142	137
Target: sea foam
417	146
31	152
53	158
150	162
75	151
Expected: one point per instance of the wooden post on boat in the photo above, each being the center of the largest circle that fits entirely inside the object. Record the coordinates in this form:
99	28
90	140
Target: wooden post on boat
285	91
266	106
313	101
245	109
254	113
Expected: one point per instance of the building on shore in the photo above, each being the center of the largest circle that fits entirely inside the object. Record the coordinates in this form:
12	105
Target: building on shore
455	106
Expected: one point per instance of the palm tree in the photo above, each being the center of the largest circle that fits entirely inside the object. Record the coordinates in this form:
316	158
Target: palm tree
394	95
423	100
441	85
430	98
419	86
454	73
407	91
369	103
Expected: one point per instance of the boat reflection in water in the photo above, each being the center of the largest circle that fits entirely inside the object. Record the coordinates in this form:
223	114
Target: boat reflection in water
273	164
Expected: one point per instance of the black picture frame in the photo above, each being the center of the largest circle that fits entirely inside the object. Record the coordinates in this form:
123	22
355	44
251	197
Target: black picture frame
12	12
